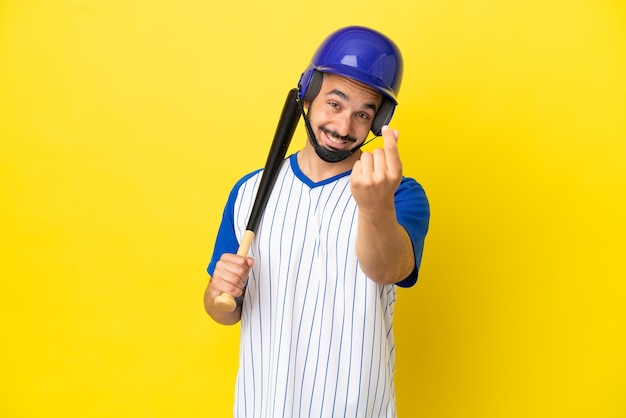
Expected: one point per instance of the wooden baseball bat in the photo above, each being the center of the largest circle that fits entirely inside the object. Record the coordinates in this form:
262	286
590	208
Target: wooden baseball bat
282	138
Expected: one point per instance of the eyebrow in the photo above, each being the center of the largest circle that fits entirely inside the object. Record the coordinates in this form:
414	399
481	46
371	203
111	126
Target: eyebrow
344	96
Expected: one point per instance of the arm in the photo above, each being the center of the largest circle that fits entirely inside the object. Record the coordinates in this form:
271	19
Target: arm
383	246
228	272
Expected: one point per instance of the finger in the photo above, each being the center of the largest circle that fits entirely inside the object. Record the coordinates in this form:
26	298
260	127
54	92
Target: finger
236	260
229	274
356	168
234	269
367	162
380	161
390	140
392	155
394	132
222	284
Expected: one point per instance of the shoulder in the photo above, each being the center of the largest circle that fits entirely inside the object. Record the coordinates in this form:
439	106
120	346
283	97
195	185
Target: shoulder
410	184
246	178
410	192
247	181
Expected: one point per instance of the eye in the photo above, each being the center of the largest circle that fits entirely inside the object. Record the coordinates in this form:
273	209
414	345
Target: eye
334	105
363	115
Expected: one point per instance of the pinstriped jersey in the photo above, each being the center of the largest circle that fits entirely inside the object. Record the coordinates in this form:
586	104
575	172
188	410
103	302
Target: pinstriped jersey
316	332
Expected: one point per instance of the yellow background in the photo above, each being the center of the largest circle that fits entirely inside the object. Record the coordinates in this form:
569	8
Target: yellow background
124	123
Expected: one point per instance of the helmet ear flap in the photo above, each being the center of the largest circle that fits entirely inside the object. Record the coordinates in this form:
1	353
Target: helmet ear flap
313	87
383	116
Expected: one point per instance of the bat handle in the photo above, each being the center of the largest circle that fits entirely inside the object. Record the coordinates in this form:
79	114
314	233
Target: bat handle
226	302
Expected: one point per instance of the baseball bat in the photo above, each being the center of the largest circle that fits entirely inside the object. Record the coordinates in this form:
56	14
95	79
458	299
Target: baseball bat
282	138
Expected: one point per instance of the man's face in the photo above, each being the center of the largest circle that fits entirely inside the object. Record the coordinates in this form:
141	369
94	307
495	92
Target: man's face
342	113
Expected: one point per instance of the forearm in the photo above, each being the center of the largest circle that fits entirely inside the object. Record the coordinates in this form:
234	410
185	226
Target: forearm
383	247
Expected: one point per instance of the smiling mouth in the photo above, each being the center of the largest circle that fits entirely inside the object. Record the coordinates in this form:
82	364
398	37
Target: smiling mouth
334	137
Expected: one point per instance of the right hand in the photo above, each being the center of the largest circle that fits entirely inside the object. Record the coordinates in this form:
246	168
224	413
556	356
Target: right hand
230	276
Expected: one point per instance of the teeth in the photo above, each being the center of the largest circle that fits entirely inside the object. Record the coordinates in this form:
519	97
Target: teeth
335	140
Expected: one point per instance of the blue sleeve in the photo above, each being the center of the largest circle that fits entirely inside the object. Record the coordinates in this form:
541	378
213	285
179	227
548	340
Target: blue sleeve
226	240
413	213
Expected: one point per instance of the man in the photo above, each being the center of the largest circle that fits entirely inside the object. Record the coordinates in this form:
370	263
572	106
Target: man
342	228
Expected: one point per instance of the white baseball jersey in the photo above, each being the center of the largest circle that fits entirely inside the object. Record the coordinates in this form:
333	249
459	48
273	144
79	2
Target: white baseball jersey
316	332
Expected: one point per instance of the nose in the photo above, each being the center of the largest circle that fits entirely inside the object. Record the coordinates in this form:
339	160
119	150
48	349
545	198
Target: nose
343	124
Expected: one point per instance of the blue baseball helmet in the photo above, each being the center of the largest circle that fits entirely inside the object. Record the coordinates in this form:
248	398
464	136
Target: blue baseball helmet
361	54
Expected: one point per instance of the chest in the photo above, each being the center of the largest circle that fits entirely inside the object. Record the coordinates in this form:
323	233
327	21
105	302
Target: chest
300	216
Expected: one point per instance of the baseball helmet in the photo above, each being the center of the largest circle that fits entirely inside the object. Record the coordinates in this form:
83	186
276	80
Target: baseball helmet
361	54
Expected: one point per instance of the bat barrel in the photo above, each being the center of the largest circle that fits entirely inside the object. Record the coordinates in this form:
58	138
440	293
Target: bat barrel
284	132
